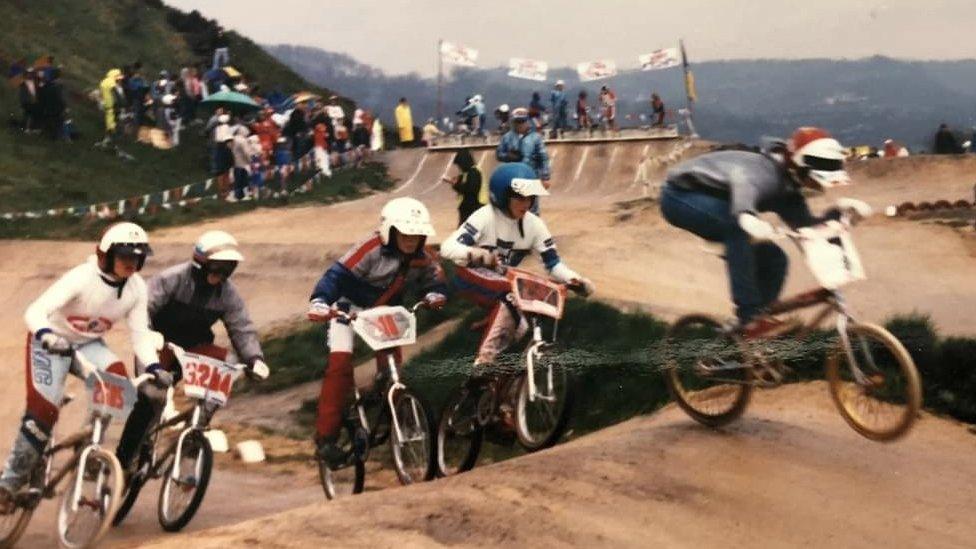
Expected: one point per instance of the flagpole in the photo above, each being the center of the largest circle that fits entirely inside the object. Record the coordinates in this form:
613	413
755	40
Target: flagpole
689	92
440	81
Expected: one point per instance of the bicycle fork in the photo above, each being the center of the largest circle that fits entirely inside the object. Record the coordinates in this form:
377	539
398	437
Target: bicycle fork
394	387
535	352
98	431
194	426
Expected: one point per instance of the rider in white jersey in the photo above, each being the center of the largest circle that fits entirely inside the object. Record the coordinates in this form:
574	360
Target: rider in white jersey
76	312
504	232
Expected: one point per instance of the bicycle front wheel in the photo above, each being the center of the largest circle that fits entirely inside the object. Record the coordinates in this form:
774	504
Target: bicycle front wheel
347	479
874	383
13	524
459	433
182	491
706	371
412	443
542	411
88	507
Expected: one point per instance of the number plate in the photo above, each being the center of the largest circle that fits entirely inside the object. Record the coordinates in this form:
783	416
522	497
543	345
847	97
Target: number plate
110	394
386	327
833	264
208	379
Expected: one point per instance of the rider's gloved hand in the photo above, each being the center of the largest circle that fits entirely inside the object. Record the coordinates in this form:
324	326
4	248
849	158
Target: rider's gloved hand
54	343
163	377
755	227
583	286
858	208
319	311
480	257
259	369
435	300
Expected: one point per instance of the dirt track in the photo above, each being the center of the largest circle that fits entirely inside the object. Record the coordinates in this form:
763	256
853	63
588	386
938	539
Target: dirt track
794	476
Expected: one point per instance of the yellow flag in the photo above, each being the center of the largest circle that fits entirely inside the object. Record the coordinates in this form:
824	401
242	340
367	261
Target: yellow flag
690	86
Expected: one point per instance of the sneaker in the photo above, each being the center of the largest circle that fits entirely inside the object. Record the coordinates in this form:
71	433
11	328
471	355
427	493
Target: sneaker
7	505
768	327
328	451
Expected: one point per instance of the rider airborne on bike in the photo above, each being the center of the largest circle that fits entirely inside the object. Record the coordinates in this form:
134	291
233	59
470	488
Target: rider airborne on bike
185	301
76	312
374	272
718	195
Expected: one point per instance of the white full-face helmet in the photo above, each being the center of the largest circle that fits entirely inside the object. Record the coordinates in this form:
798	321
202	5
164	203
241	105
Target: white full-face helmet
217	252
122	240
408	216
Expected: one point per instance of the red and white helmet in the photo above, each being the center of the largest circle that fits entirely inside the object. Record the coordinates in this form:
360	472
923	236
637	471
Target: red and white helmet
408	216
822	156
122	239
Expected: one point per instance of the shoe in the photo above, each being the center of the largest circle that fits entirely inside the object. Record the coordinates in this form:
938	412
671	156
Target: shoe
328	451
768	327
7	505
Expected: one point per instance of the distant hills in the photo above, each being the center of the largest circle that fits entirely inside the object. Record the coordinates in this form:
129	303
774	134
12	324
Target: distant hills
862	101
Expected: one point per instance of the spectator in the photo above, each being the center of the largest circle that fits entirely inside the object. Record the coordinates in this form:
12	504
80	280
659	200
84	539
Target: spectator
267	131
583	121
894	149
469	185
297	129
479	114
321	150
468	115
107	88
360	140
257	166
608	104
945	141
535	111
502	114
404	121
336	115
27	93
137	92
657	108
559	104
192	93
524	144
430	133
50	98
376	140
172	121
283	164
223	159
221	54
241	150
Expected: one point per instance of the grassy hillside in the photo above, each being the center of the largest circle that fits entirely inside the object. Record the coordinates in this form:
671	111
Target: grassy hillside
89	37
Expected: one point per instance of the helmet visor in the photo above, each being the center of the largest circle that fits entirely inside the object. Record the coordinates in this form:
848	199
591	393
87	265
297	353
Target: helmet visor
528	187
827	179
221	268
823	164
132	250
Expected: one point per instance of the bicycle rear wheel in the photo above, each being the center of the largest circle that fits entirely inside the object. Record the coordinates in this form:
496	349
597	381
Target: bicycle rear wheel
87	508
180	497
542	418
349	478
459	433
412	444
882	401
706	371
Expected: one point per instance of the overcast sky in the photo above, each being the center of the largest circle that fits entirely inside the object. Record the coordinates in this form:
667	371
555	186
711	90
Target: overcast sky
400	36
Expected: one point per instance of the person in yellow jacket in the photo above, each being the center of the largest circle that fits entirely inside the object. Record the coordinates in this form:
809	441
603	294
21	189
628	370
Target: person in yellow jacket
108	99
404	121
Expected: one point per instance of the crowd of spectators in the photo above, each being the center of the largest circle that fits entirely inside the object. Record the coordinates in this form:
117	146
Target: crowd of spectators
42	101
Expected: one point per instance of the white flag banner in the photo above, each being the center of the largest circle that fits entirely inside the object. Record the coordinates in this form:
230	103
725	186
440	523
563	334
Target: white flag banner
528	69
660	59
457	54
596	70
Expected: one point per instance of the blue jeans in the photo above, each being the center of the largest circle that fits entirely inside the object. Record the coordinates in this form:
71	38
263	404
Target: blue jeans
756	271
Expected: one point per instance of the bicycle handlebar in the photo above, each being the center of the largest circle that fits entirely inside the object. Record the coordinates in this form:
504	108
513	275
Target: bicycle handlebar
336	312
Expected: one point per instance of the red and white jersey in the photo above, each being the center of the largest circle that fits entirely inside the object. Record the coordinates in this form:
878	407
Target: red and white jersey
82	306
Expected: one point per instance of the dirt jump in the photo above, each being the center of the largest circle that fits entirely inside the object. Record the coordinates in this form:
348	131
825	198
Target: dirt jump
790	473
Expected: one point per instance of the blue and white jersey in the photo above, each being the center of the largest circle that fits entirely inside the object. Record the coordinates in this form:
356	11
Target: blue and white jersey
510	239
